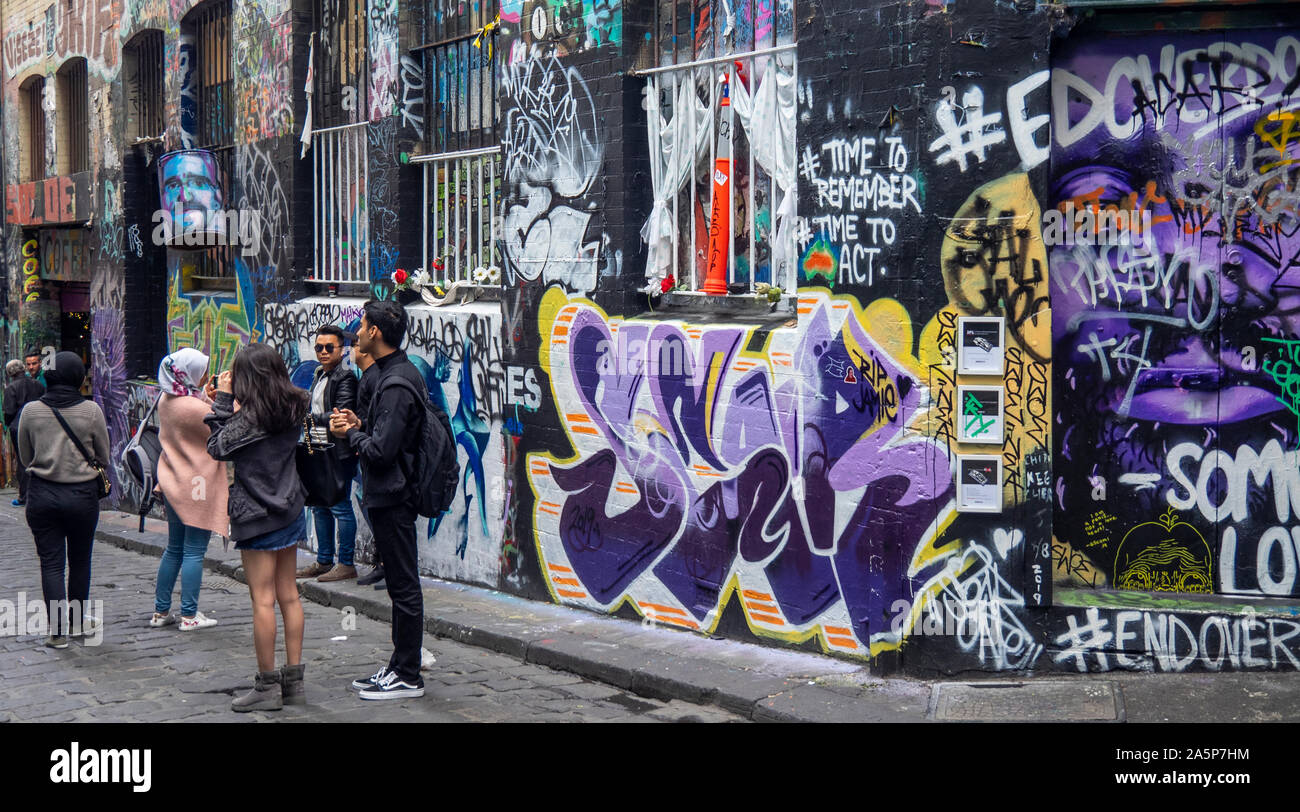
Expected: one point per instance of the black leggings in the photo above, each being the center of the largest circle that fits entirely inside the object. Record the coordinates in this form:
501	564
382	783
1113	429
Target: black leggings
63	518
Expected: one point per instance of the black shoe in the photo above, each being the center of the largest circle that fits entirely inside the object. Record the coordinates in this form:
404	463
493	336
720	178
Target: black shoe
374	576
370	681
381	585
394	687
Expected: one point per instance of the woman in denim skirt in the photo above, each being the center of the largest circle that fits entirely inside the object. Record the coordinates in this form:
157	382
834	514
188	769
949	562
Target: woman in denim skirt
266	501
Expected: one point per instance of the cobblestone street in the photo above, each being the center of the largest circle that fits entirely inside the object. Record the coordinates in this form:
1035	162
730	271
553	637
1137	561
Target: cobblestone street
137	673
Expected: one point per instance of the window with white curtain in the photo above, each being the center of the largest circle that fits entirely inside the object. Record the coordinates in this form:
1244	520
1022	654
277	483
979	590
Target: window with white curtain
720	108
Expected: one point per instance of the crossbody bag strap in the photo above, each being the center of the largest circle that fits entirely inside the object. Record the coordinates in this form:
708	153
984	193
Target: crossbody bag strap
75	440
152	409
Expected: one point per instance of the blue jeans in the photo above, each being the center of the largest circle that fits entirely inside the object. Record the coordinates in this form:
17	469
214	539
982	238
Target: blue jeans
184	556
324	518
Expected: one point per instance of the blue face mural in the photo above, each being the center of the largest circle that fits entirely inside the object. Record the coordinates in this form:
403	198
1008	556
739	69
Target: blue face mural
190	185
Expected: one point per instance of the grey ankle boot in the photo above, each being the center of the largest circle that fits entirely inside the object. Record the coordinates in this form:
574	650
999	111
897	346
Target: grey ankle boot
265	695
291	685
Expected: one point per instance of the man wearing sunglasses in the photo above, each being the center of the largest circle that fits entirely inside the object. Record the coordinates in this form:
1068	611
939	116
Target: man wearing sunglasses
333	387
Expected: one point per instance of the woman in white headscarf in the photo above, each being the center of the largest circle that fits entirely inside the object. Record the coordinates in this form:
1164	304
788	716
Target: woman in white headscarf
192	483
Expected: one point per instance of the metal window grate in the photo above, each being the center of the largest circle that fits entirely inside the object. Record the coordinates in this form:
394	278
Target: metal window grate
34	97
697	44
212	54
460	195
143	62
339	188
462	172
340	71
210	24
460	78
74	101
452	19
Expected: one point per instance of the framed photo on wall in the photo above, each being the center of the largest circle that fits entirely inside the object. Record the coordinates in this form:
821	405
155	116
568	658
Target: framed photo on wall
979	483
981	343
979	415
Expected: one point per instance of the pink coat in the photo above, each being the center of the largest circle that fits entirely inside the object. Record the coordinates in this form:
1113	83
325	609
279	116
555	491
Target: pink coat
193	483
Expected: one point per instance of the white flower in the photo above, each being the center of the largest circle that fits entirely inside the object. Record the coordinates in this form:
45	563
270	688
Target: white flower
480	275
494	274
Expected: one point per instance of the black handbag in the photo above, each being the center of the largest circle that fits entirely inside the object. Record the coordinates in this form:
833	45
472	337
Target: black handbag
104	486
326	479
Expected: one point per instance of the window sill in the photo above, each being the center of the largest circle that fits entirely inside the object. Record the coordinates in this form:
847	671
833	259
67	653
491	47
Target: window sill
744	304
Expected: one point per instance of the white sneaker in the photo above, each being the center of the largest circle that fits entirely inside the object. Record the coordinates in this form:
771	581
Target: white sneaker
199	621
159	620
391	687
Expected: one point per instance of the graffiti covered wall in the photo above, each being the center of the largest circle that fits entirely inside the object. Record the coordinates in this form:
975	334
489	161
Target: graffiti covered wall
791	479
458	350
1177	469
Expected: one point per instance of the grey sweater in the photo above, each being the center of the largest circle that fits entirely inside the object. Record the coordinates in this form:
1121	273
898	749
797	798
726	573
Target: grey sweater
48	452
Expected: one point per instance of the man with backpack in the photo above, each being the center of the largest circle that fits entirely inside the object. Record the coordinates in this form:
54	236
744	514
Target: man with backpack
402	476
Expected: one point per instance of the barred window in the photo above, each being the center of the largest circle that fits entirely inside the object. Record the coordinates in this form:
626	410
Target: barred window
142	67
33	109
71	119
721	117
340	69
460	109
340	175
209	24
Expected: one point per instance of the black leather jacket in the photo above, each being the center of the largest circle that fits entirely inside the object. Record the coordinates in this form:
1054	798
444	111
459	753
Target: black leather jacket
340	393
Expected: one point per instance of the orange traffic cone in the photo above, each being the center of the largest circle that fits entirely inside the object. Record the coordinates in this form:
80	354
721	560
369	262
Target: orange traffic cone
715	282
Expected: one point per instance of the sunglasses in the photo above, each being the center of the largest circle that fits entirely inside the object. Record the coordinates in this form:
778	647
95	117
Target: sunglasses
325	347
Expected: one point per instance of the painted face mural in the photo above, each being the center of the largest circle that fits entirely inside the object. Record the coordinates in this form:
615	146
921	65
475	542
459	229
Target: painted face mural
1175	330
190	185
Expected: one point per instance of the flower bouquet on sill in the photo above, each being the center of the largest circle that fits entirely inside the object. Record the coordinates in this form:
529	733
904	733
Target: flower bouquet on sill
404	289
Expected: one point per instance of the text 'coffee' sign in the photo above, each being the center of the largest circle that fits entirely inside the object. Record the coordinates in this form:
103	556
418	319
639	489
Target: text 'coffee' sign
53	201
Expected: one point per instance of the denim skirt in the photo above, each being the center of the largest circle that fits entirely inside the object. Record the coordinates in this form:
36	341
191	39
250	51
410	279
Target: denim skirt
288	536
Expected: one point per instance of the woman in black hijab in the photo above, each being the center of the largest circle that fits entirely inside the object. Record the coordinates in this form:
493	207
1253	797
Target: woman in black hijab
63	494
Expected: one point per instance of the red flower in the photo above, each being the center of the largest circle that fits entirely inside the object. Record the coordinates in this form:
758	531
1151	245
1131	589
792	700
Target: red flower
399	276
437	264
667	284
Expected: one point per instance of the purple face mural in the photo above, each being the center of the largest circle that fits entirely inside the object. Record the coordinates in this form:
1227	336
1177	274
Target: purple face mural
1173	353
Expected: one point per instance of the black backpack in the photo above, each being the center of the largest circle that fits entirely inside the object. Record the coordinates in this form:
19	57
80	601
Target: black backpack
437	472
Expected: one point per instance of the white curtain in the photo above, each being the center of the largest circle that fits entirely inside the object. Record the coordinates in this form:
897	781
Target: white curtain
767	115
671	162
307	88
